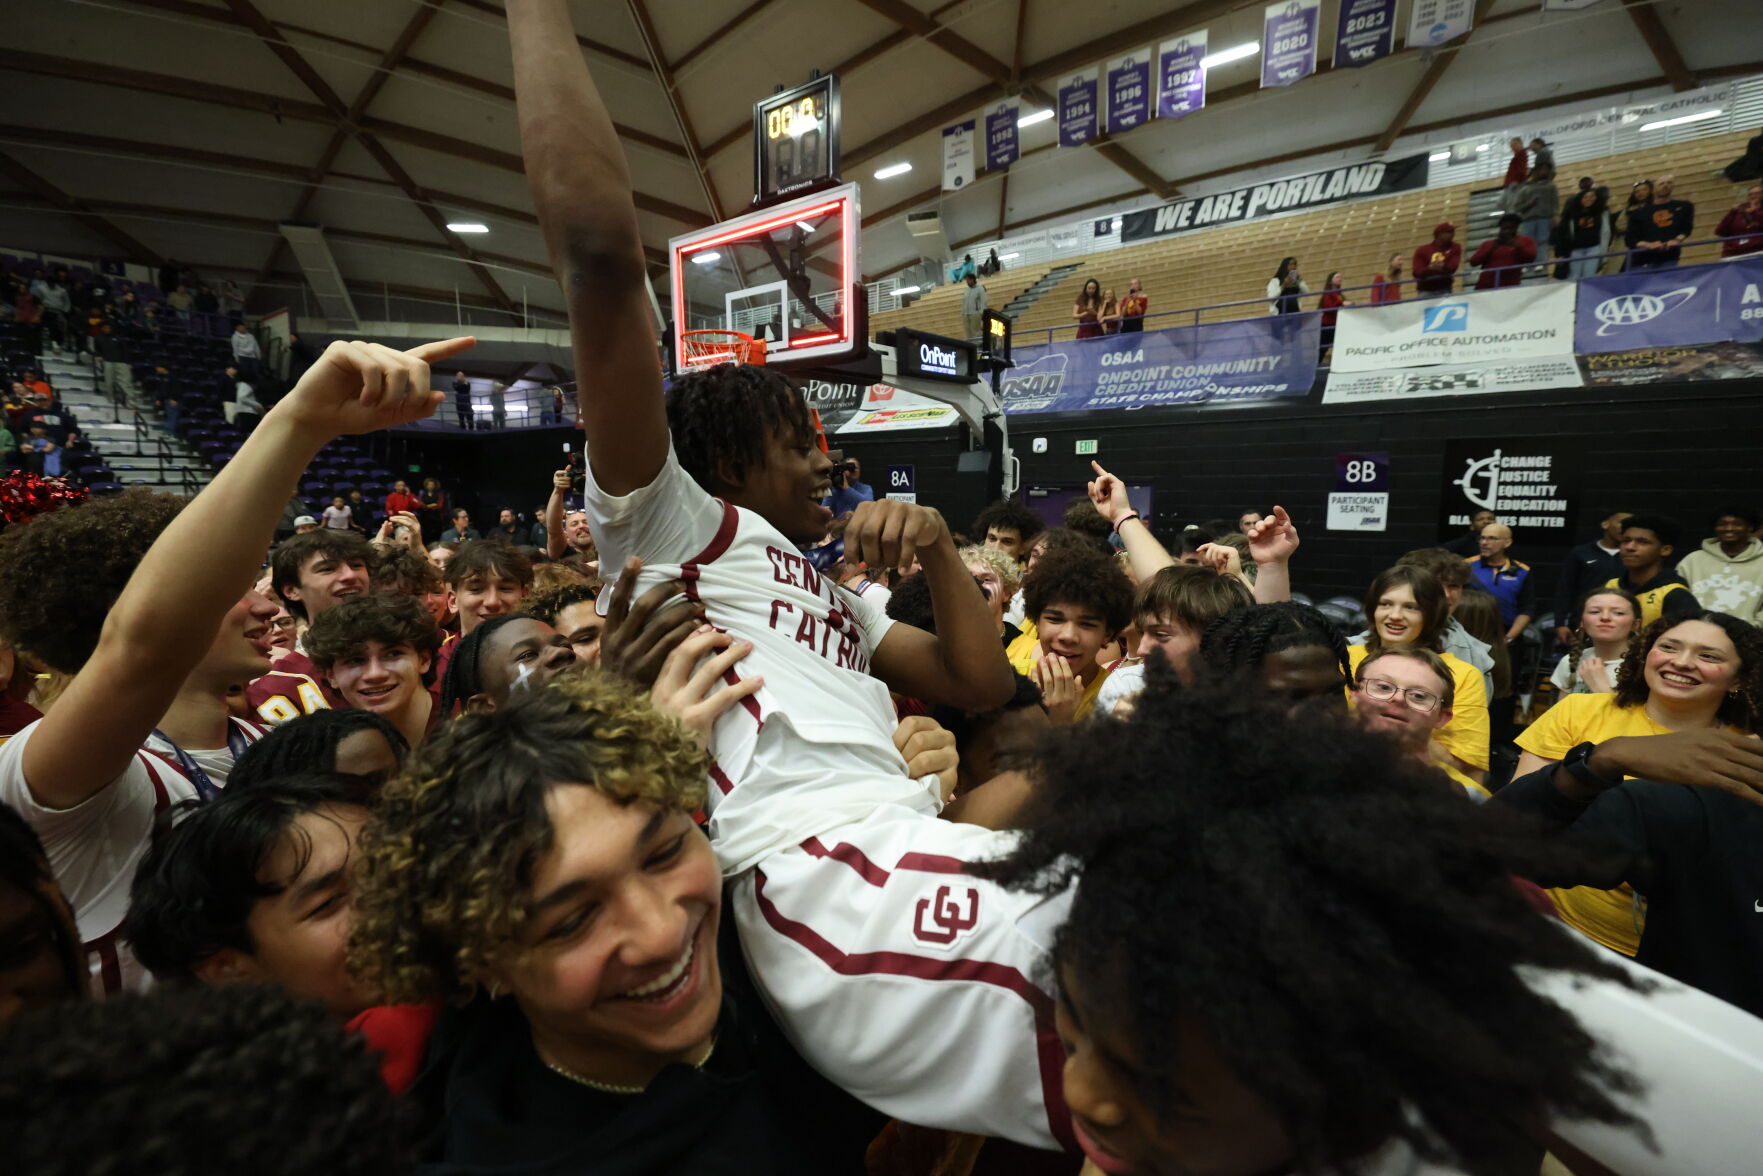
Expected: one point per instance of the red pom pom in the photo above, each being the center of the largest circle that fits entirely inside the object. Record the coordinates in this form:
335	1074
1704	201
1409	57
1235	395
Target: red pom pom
25	496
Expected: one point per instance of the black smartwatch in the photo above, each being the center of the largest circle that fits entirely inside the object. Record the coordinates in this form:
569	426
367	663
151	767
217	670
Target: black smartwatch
1578	763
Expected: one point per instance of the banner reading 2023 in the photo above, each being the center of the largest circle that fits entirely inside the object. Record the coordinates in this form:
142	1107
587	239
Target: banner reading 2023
1250	359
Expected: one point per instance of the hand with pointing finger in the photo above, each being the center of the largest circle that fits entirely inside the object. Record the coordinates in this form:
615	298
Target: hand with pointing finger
1108	493
359	387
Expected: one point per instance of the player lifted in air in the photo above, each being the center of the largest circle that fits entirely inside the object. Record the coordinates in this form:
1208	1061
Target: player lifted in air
907	981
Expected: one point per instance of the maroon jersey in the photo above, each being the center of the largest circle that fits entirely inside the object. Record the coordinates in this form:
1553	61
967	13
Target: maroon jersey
293	687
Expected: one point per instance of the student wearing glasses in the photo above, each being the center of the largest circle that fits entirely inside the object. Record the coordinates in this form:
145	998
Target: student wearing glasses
1406	692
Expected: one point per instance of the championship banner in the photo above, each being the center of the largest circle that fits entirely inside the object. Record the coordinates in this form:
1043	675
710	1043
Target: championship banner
1077	108
1348	182
1251	359
1671	307
1181	79
1453	379
1001	141
1487	326
1288	41
1129	91
958	156
1433	22
886	408
1365	32
1531	485
1674	365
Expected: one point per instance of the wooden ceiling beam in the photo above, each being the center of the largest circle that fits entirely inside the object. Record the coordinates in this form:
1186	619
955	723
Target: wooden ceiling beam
725	29
1664	50
1442	57
682	118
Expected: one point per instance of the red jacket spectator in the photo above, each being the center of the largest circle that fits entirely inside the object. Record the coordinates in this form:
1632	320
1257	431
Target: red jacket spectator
1384	290
1329	304
1510	249
400	501
1743	226
1519	169
1435	264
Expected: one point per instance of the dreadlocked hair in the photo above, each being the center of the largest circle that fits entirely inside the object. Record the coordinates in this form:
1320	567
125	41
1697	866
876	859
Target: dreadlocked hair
464	676
1342	925
445	868
1741	706
546	603
1582	640
24	865
723	420
307	744
1240	640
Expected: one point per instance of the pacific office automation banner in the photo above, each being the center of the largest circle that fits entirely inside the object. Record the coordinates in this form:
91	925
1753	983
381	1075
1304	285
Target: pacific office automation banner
1433	22
1181	79
886	408
1001	142
1671	307
1365	32
1129	91
1077	109
1252	359
958	156
1350	182
1454	379
1288	41
1487	326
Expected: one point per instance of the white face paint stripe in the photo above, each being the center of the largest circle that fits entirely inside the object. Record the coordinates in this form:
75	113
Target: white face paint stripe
522	677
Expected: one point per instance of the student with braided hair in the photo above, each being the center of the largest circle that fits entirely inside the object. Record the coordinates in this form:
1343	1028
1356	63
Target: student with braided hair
1606	636
41	961
1700	674
1316	963
1291	649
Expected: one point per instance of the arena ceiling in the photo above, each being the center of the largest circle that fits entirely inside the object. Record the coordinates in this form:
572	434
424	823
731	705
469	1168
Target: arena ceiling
191	128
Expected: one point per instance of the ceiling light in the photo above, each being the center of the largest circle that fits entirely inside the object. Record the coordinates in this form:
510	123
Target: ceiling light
1117	222
1700	116
1038	116
805	226
1482	146
706	258
902	291
466	227
1226	56
1438	157
892	170
1010	256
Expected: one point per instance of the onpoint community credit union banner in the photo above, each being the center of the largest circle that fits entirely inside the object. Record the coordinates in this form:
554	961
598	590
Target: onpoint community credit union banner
1252	359
1351	182
1713	303
1520	322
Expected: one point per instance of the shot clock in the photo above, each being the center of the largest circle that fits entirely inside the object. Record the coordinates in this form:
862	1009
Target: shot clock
796	140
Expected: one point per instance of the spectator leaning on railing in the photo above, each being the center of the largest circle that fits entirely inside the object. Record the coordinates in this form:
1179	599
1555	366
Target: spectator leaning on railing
1656	233
1743	226
1435	263
1582	231
1502	255
1387	286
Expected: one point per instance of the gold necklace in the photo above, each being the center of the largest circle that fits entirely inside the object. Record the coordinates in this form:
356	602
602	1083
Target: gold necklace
611	1087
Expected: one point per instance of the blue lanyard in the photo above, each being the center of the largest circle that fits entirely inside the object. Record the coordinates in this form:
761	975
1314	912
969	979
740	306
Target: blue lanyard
236	743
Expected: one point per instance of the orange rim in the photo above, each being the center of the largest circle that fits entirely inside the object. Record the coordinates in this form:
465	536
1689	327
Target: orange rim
715	345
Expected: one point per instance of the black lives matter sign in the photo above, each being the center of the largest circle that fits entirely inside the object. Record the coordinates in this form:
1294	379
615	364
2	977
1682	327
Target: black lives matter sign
1531	486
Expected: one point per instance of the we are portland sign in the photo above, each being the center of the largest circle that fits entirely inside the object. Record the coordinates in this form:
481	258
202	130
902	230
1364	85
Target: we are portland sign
1352	182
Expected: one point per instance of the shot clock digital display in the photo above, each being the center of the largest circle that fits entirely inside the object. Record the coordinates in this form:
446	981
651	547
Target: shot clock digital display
796	140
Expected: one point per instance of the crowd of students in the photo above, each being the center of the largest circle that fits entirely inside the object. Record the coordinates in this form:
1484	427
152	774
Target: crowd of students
672	847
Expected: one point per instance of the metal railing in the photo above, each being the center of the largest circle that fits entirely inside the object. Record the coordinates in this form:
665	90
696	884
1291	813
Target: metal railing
1190	315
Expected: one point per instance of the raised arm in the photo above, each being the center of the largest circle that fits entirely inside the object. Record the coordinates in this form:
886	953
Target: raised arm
1272	542
555	543
582	194
1148	556
963	664
166	618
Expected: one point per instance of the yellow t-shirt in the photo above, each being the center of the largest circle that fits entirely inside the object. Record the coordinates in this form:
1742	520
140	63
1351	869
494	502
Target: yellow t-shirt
1612	917
1466	735
1021	652
1477	792
1087	703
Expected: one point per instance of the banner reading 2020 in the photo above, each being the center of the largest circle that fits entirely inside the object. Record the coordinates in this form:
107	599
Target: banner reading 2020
1250	359
1288	42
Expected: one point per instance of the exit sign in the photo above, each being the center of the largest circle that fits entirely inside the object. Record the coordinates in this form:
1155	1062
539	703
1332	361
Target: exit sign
1086	448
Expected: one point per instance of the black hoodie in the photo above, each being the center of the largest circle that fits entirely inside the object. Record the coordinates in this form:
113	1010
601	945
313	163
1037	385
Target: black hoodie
492	1107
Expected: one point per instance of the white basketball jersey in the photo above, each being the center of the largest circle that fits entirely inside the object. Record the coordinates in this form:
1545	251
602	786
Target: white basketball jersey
821	724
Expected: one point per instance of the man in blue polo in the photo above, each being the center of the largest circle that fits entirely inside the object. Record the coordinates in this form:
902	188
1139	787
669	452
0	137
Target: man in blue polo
1512	583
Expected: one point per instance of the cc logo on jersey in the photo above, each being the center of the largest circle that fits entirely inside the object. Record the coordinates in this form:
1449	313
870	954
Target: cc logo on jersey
941	920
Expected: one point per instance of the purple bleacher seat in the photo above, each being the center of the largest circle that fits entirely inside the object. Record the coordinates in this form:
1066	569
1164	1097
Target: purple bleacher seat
102	489
96	473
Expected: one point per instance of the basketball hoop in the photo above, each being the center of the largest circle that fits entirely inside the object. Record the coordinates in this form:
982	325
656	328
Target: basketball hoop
707	347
